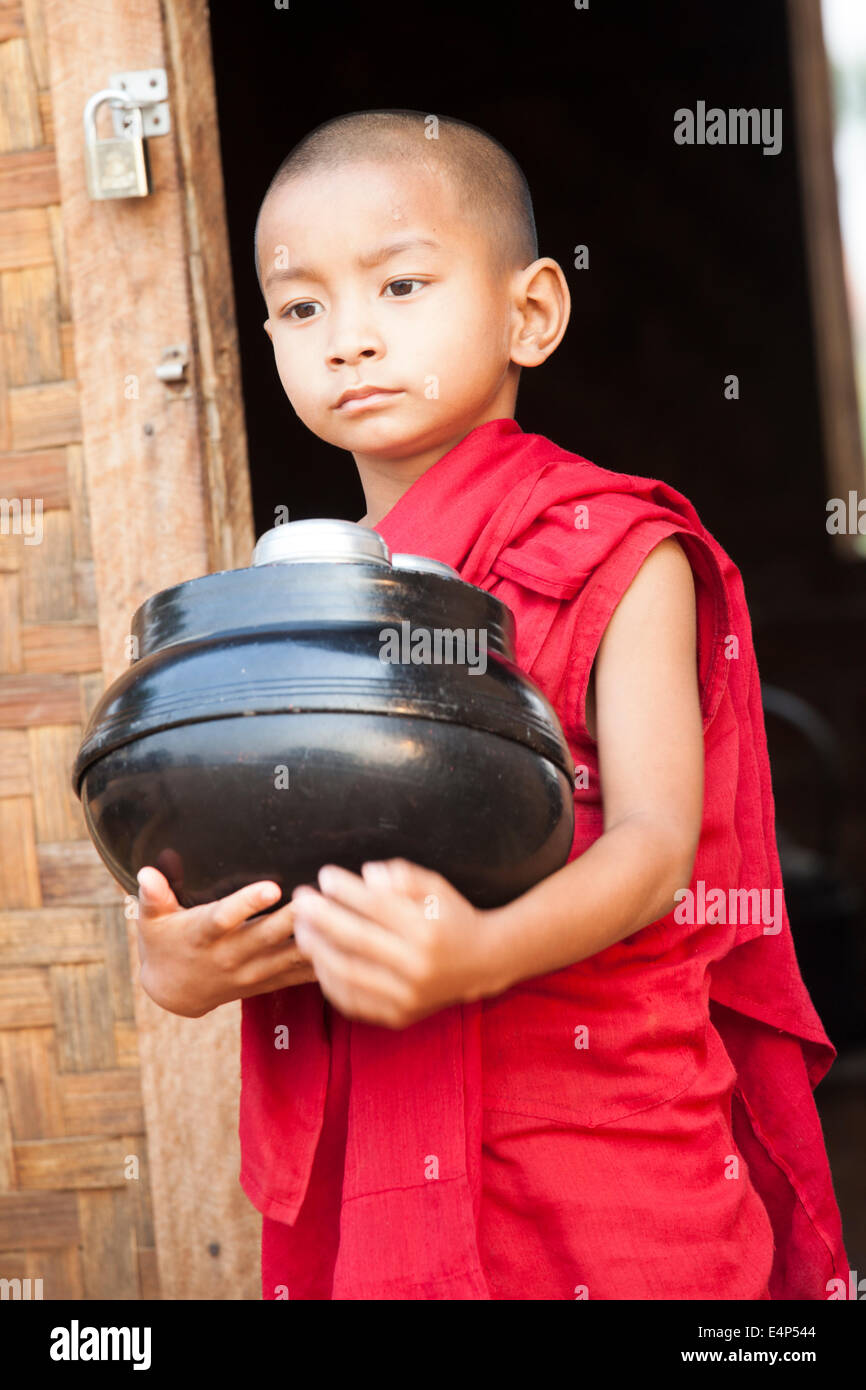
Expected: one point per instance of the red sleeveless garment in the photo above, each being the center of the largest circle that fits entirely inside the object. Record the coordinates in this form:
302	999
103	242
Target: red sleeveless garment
679	1154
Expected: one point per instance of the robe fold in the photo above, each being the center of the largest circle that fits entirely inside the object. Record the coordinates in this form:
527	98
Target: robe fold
640	1124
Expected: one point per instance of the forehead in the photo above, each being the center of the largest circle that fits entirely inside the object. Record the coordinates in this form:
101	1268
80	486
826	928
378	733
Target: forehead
339	210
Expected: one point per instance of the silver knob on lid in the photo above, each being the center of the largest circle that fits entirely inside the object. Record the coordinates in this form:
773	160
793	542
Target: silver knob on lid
321	538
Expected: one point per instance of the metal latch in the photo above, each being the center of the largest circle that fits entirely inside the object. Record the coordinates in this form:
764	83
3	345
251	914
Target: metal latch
147	88
172	370
119	167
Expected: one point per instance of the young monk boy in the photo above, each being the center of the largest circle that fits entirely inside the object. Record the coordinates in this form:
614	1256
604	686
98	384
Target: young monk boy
603	1089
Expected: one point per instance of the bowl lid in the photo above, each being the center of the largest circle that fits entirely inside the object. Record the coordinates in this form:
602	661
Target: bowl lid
320	538
294	594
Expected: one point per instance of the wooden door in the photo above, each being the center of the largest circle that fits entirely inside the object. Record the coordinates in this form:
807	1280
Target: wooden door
118	1121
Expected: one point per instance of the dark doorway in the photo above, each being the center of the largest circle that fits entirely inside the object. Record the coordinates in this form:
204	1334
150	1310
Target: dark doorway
696	265
697	270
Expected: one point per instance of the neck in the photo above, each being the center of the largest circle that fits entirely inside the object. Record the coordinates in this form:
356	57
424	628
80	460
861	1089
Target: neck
385	480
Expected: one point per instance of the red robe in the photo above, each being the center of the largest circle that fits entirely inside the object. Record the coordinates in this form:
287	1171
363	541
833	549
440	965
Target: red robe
496	1150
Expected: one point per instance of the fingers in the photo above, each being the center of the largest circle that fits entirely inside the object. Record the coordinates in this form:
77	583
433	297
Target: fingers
275	970
155	896
359	988
377	894
400	876
266	936
302	974
391	875
354	933
272	938
224	914
371	896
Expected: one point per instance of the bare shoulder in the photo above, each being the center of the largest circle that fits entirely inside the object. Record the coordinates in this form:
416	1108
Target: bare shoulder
648	706
666	568
661	594
656	616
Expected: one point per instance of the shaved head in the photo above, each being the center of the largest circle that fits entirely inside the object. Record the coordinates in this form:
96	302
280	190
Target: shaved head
489	186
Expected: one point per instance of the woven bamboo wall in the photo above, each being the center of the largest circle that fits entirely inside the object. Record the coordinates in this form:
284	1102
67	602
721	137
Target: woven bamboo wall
70	1095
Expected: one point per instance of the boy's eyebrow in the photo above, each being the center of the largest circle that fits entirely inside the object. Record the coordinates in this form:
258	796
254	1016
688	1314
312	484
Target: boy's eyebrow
372	258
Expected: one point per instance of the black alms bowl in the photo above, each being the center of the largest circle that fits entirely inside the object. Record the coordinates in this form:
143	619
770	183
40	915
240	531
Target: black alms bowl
290	715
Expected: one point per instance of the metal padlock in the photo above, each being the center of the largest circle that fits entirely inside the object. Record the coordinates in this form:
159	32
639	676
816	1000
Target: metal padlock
116	168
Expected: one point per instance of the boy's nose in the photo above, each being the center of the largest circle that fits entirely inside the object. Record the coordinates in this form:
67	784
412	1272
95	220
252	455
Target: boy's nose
353	338
348	355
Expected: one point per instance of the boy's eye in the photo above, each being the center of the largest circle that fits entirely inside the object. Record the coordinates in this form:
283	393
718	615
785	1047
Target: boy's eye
306	304
301	311
396	285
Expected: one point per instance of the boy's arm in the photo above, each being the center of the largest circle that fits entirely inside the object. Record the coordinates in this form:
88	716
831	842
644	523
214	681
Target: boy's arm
651	765
380	952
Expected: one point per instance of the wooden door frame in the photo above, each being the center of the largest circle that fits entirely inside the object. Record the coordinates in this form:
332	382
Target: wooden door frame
834	349
169	498
217	358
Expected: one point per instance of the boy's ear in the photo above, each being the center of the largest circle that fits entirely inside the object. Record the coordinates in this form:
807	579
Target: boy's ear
544	305
267	328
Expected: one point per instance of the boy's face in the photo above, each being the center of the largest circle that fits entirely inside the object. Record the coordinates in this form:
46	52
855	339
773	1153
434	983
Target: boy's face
430	324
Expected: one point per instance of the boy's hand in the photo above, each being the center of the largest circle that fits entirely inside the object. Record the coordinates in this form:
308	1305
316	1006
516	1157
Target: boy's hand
194	959
393	945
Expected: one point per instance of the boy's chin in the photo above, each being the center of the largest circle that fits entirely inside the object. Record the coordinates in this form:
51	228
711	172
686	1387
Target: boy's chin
386	437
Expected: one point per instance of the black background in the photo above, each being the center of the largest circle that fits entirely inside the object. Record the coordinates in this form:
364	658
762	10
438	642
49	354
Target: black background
697	269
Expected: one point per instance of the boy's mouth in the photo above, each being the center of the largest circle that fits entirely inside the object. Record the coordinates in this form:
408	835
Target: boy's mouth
359	397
